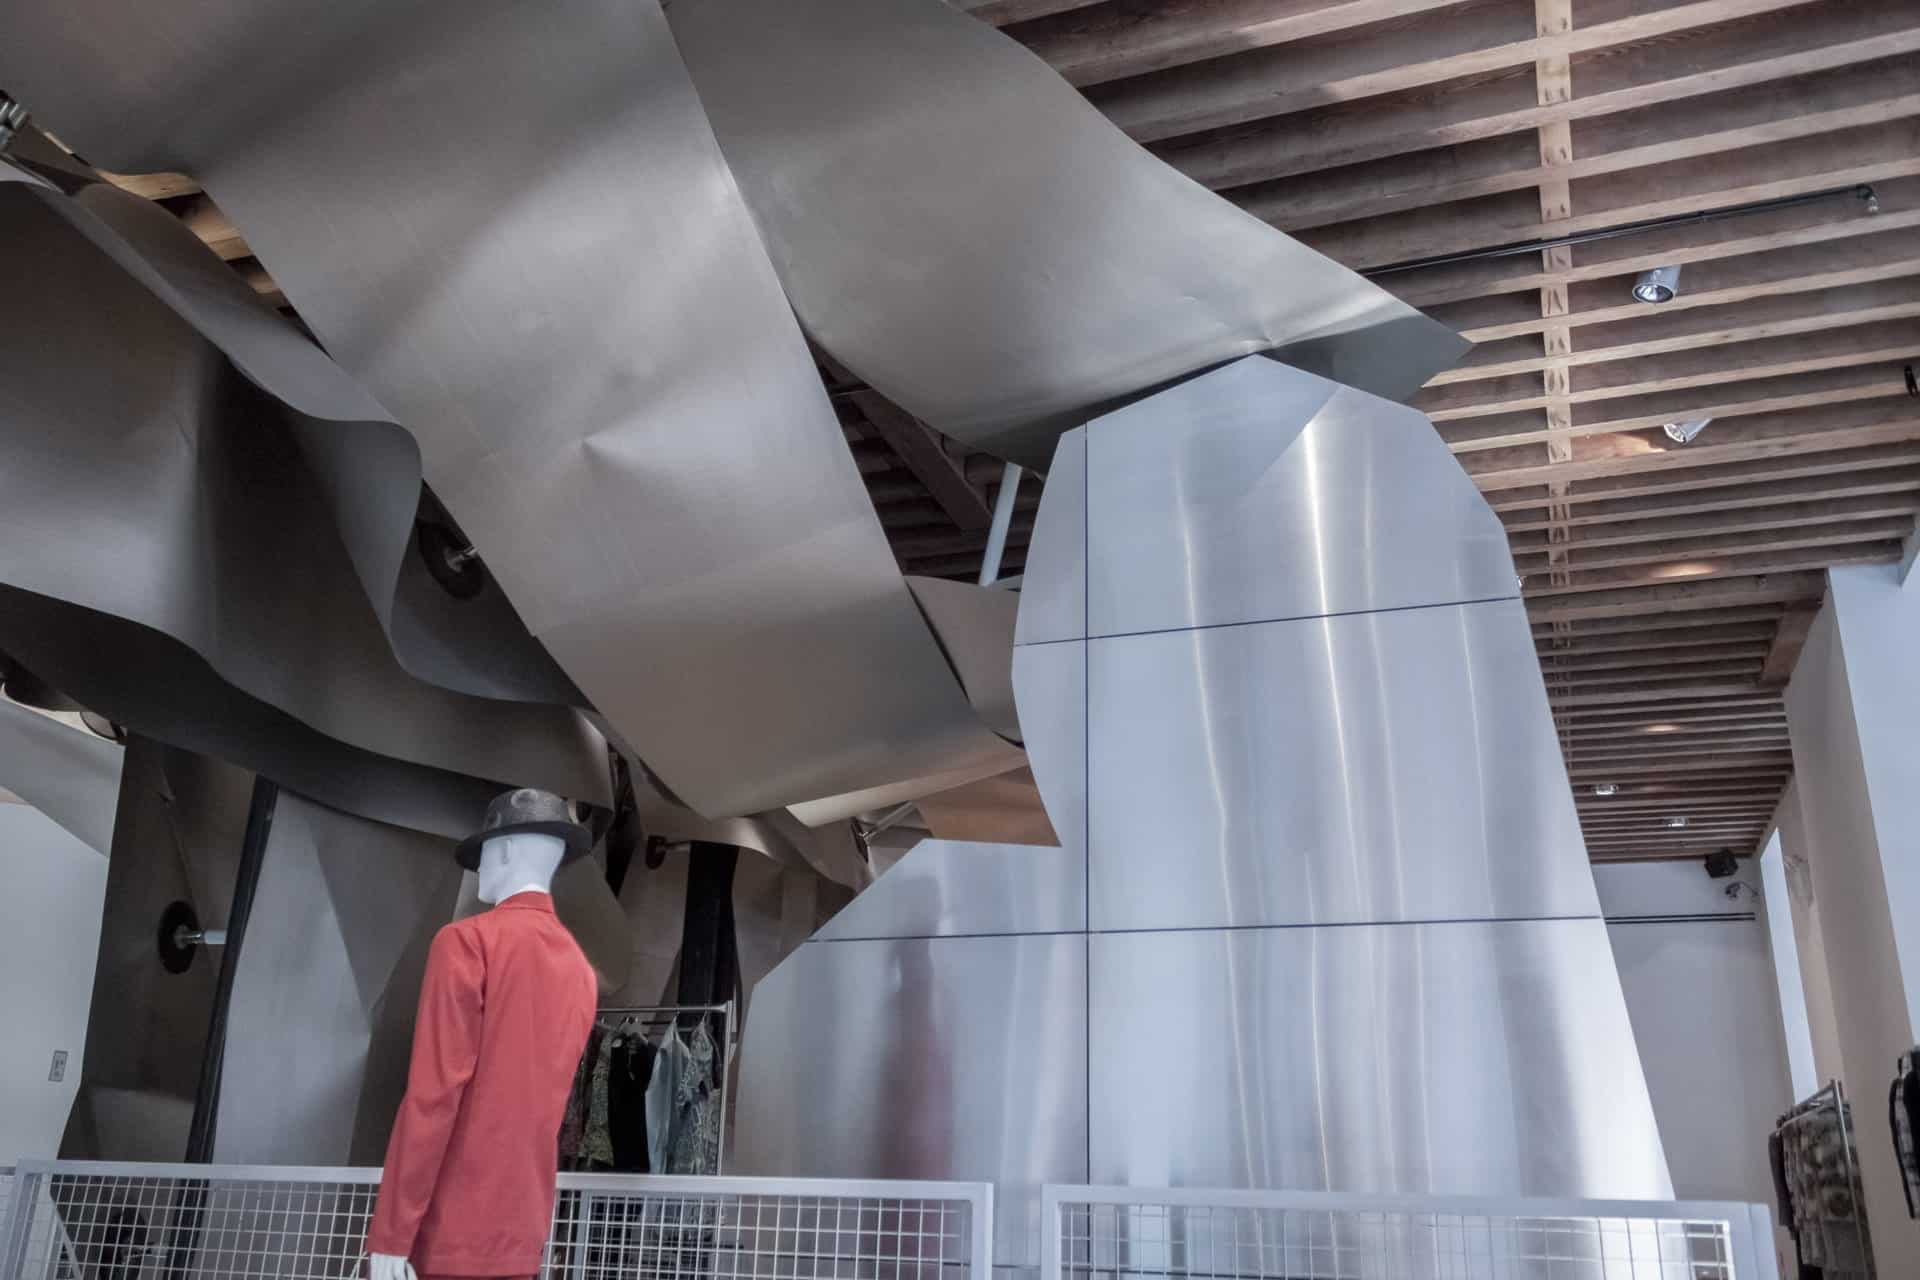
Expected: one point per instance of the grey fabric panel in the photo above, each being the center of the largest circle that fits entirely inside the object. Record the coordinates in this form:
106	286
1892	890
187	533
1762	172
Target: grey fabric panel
512	224
170	561
68	774
959	227
367	467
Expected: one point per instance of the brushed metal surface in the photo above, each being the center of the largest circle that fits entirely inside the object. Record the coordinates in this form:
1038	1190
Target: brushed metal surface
176	836
68	774
897	150
1369	767
892	1059
1257	492
608	387
1050	681
945	888
366	465
1445	1058
1053	589
156	503
320	1028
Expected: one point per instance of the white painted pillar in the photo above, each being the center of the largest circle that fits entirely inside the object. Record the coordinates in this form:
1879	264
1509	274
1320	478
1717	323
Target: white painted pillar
1852	829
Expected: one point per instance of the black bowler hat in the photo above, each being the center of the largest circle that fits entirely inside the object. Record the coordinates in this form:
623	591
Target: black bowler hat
539	813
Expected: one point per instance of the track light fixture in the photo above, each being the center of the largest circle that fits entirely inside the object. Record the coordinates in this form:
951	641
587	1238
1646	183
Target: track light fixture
1606	788
1684	432
1661	284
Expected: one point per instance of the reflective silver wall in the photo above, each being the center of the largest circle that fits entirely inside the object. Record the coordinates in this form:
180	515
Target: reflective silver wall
1321	917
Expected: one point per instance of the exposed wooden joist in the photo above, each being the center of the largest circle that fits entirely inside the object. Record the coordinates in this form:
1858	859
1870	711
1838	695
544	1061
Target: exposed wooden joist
1787	643
926	455
1669	597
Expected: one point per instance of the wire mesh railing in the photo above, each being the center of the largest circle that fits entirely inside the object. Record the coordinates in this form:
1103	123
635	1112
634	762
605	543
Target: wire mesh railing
1109	1233
92	1221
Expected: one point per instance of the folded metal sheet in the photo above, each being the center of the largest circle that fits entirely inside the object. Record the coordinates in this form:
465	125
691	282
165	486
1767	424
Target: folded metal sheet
169	559
512	224
68	774
958	226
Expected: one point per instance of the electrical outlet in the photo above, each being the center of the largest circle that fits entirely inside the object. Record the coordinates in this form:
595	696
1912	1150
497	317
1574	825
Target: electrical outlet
58	1071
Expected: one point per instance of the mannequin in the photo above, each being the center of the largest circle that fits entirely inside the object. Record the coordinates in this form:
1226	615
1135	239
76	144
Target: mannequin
504	1012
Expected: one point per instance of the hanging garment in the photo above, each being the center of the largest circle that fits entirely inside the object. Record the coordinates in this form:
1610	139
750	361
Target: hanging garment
696	1120
662	1090
596	1152
573	1122
631	1073
505	1008
1903	1107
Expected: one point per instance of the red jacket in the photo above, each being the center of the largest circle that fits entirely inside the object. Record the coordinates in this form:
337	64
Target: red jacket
504	1012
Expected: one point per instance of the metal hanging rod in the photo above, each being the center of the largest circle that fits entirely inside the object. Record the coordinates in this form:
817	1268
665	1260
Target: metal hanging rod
1860	191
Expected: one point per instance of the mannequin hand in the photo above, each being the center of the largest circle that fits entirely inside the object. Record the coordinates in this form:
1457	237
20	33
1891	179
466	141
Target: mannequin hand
388	1266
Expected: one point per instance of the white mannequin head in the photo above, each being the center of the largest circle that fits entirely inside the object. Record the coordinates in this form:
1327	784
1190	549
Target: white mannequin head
518	863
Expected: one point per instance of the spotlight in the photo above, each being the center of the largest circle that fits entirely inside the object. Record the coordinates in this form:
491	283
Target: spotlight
1684	432
1676	822
1605	788
1658	285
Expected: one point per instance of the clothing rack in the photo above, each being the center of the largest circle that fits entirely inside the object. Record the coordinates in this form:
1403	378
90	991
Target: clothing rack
1833	1098
653	1016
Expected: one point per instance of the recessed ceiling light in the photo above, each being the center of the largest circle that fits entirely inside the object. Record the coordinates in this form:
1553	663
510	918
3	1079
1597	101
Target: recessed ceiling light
1605	788
1661	284
1676	822
1684	432
1665	726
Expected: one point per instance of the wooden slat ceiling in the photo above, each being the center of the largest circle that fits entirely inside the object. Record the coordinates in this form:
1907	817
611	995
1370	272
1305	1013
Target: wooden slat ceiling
1669	585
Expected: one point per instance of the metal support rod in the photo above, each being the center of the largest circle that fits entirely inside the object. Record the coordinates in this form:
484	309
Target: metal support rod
1002	521
253	848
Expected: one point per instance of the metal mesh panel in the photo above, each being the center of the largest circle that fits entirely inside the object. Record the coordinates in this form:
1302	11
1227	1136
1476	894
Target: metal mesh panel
1355	1241
119	1222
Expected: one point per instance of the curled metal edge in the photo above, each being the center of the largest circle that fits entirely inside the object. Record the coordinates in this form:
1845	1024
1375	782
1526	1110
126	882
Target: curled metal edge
367	465
894	151
68	774
276	687
606	381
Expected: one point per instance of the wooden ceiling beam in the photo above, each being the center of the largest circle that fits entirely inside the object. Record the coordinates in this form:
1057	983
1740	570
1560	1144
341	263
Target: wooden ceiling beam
1703	726
1608	304
1566	662
1381	59
1648	626
1695	747
1810	60
1873	154
1788	641
1891	337
1651	533
1617	698
1741	633
1809	554
1773	397
1672	597
1825	226
1706	495
1109	41
1699	556
925	453
1654	164
1739	706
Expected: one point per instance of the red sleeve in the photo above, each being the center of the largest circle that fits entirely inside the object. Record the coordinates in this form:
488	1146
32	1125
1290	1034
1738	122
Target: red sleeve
446	1044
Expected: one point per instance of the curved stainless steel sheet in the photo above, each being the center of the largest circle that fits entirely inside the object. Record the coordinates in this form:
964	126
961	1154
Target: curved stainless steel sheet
1053	591
158	489
1258	492
1371	767
1051	680
896	151
68	774
367	467
1466	1058
953	888
949	1058
513	225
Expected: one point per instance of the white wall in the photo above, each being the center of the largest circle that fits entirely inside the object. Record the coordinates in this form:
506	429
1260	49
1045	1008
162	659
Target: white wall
1838	841
50	917
1706	1017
